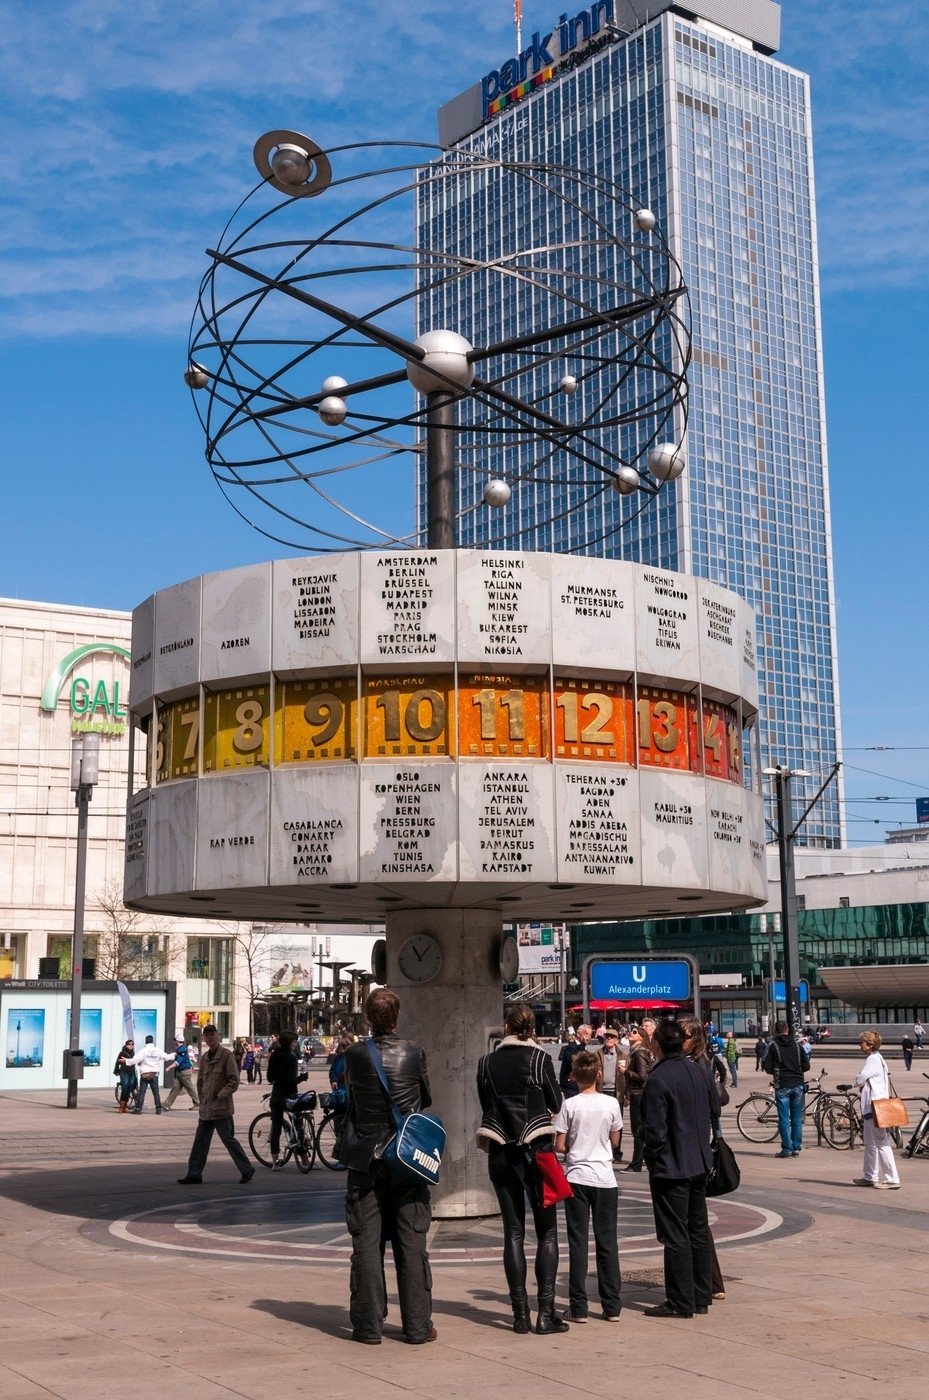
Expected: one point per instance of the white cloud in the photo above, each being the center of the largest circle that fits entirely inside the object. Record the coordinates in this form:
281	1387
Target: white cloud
127	132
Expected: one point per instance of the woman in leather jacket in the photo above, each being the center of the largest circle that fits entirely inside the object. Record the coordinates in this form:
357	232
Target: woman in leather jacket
519	1093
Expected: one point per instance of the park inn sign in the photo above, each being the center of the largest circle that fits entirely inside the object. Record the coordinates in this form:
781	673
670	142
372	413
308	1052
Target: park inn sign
537	62
95	705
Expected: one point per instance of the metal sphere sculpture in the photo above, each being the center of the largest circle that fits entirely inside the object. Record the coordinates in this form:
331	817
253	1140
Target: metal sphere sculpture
332	366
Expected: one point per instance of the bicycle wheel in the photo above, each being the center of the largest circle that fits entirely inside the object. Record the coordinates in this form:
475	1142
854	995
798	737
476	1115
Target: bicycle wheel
918	1144
839	1126
304	1150
259	1139
329	1130
756	1118
896	1137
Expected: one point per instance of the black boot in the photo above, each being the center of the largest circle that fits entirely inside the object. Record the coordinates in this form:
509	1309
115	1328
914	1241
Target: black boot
522	1318
548	1320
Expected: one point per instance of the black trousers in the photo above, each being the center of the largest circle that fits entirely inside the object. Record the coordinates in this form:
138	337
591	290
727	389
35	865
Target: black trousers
593	1206
507	1167
225	1128
379	1209
637	1124
682	1227
148	1083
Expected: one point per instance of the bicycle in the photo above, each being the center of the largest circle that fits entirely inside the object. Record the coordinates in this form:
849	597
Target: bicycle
133	1095
298	1134
843	1124
918	1145
335	1109
756	1116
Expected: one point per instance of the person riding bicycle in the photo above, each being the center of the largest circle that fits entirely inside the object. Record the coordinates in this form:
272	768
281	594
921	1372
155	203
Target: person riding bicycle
283	1076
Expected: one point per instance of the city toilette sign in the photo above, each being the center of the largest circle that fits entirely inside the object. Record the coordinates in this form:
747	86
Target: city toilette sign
95	705
518	76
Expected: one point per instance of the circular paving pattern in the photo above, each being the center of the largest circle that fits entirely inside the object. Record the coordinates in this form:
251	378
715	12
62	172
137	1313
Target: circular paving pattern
310	1228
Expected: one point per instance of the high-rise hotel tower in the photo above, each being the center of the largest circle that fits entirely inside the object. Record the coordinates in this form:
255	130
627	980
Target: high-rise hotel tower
687	109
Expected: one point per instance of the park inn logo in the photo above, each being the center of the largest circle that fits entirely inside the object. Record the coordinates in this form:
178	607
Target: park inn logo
95	706
540	61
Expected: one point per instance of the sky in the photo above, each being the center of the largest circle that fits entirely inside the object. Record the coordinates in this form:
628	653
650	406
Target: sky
127	134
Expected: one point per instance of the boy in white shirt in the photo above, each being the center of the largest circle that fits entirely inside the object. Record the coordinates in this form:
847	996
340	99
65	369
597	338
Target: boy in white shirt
588	1128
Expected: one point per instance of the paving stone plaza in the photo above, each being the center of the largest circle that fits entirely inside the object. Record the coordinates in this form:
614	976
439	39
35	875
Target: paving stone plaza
116	1280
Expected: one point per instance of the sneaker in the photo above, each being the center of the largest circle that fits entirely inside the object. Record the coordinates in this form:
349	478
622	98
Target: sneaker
865	1181
190	1181
718	1297
277	1166
783	1154
247	1176
579	1318
608	1317
892	1185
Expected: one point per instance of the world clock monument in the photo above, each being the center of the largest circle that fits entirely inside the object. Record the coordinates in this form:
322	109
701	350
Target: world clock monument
387	727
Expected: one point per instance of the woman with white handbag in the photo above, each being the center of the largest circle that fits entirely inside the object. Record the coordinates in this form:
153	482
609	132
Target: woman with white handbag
880	1169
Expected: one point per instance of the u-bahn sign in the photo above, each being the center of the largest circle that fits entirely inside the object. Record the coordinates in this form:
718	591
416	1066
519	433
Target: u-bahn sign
644	981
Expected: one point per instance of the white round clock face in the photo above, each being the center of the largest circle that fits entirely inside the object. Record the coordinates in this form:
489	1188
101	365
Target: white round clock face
509	960
420	957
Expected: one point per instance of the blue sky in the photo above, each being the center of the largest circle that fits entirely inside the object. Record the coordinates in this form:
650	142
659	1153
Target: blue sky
127	134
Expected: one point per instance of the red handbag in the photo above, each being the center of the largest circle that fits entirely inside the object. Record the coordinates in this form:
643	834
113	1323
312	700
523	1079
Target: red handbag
555	1185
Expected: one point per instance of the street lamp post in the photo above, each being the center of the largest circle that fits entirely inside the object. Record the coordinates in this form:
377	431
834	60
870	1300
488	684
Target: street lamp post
85	771
786	833
788	882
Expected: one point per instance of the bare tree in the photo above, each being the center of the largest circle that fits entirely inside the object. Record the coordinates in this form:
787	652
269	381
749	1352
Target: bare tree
128	944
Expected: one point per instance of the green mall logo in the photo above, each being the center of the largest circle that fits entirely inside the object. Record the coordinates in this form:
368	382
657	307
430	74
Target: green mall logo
95	706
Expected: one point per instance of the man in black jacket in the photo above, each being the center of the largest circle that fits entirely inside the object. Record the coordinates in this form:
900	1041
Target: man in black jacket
566	1060
379	1206
679	1104
787	1062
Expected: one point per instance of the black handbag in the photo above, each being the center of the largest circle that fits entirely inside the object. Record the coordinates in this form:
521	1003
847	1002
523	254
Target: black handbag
724	1175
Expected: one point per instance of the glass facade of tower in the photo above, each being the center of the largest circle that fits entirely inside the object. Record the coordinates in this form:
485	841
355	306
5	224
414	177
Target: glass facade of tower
715	138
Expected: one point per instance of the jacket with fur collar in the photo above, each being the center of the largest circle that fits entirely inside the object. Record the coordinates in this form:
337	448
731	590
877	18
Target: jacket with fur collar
519	1092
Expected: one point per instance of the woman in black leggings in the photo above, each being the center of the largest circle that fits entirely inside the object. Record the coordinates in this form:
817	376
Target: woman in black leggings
519	1093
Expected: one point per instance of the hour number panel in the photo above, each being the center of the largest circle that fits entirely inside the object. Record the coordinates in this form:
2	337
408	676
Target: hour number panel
182	719
408	716
594	720
665	720
721	742
316	720
236	728
503	717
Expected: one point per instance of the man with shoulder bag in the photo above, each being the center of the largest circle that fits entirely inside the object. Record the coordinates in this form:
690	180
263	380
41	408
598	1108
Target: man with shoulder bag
379	1205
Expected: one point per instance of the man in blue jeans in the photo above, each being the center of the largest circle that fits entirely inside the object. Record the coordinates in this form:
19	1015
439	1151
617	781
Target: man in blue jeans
787	1062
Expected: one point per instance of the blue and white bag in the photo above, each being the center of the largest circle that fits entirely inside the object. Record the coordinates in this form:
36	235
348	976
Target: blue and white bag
414	1153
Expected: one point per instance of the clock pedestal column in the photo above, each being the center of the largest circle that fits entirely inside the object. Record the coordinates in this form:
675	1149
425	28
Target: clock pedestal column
452	1016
